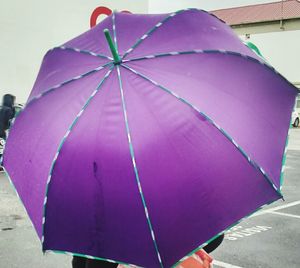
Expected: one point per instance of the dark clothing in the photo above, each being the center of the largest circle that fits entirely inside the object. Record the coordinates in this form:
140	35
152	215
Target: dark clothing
81	262
8	100
214	244
7	112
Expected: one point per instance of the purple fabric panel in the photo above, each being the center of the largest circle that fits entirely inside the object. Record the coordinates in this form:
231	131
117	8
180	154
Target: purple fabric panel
94	40
190	30
195	181
250	102
34	139
130	27
94	206
61	65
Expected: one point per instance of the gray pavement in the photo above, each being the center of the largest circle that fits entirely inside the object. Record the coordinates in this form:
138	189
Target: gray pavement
268	239
271	237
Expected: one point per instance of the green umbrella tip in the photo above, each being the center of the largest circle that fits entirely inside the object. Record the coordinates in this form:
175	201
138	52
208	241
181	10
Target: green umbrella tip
112	47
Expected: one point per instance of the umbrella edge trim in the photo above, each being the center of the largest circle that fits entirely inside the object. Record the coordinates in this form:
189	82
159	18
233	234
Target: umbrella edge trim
211	121
61	145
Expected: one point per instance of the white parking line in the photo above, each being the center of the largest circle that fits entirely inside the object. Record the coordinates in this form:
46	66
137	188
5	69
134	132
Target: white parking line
285	214
275	209
224	264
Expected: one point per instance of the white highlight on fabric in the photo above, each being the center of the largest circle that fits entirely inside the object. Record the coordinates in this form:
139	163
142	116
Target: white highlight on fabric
93	94
198	50
140	188
80	113
55	157
152	234
146	211
144	36
67	133
175	95
159	258
129	138
262	171
129	50
234	142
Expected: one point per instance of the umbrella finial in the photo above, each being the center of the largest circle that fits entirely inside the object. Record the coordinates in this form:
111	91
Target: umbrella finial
112	47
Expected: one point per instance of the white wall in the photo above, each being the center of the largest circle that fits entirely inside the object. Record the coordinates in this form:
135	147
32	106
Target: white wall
282	51
29	28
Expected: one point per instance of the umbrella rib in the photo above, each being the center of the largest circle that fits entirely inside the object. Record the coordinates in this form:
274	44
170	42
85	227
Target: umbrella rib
71	127
86	52
250	161
222	232
135	167
53	88
153	29
210	51
114	30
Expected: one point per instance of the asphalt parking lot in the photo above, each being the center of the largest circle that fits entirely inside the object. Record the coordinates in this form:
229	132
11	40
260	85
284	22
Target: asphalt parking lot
269	239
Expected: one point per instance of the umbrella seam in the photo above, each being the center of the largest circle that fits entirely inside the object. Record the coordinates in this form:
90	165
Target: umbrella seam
135	167
253	163
222	232
160	23
61	145
86	52
207	51
114	30
153	29
51	89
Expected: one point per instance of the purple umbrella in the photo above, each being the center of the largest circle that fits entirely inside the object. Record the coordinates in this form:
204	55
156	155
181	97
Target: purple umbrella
142	154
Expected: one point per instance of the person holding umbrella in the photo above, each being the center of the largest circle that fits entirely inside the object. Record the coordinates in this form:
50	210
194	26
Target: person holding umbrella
7	112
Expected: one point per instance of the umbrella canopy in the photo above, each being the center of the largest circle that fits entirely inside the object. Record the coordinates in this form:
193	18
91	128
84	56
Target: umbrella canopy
142	155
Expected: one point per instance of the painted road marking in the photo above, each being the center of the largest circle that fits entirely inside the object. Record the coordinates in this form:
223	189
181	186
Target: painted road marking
275	209
224	264
238	232
285	214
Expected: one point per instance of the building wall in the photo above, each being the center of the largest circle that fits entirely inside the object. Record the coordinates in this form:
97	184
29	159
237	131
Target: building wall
29	28
281	49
